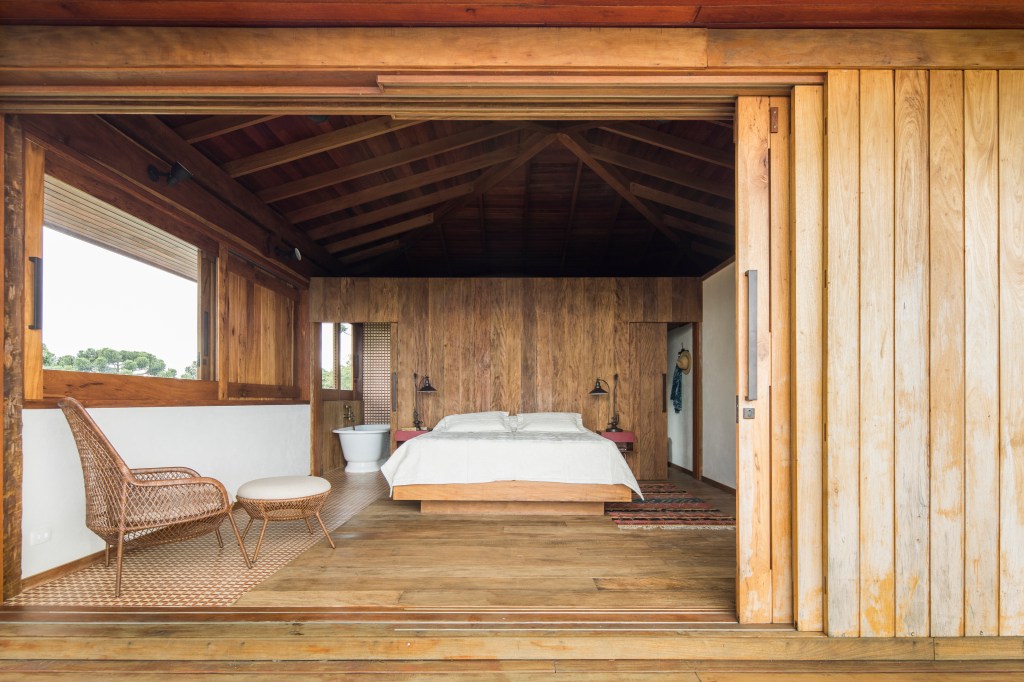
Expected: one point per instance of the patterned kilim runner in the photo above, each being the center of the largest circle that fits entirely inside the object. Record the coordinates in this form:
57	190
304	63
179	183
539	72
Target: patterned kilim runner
667	506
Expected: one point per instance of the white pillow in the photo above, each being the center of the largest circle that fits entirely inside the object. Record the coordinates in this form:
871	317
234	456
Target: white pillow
486	422
550	422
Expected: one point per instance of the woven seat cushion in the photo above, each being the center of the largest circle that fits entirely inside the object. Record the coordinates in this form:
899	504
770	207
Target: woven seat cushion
283	487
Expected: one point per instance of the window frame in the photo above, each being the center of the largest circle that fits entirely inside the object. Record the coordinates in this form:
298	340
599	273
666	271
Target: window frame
331	394
45	387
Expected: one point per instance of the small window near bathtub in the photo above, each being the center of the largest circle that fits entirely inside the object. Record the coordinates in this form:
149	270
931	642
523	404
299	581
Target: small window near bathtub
336	356
121	295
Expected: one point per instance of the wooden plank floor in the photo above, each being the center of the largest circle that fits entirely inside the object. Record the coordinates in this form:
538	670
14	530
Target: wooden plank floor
520	599
391	556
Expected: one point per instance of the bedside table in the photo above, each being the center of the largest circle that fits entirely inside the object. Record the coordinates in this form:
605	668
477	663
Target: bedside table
624	440
402	435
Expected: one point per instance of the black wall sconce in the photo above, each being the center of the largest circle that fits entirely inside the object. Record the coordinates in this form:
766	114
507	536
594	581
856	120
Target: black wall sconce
288	252
178	173
598	390
421	387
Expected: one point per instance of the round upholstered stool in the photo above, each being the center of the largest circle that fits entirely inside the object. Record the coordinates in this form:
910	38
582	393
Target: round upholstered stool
283	498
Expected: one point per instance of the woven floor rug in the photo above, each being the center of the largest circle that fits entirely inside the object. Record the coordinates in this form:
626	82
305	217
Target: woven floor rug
198	573
669	507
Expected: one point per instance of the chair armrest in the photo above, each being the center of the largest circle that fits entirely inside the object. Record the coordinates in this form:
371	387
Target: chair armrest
164	473
181	497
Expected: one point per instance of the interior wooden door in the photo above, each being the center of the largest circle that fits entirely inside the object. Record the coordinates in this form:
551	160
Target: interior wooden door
648	371
764	571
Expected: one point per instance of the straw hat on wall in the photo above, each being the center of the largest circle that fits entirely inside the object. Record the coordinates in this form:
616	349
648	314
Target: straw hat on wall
684	362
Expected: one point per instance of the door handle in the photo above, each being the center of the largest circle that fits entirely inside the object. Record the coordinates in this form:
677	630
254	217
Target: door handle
751	335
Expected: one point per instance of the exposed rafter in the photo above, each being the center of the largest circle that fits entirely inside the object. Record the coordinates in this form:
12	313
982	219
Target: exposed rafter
635	131
214	126
378	164
657	170
335	230
530	148
315	145
382	233
617	182
371	252
405	184
696	230
154	134
671	200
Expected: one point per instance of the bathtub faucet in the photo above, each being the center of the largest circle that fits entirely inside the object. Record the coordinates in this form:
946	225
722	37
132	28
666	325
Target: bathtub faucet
349	417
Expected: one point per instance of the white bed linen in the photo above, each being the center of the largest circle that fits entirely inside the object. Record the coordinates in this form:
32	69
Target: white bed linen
442	457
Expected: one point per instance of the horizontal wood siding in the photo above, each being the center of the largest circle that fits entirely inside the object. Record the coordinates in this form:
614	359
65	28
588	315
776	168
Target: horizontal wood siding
938	289
520	345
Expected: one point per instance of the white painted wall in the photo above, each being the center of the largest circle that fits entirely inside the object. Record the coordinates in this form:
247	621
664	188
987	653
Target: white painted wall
680	426
718	378
230	443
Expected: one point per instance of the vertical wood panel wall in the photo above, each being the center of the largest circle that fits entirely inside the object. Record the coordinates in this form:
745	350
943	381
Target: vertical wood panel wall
521	345
925	303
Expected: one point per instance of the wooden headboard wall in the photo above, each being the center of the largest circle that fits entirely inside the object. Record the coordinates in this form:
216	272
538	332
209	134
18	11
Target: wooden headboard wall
520	345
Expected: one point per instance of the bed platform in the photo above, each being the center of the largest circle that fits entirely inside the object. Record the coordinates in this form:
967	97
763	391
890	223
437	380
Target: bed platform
514	497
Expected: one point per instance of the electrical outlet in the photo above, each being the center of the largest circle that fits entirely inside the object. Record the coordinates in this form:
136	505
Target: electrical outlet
38	537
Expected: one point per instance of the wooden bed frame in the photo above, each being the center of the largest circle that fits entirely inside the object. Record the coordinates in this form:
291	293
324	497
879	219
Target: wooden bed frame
514	497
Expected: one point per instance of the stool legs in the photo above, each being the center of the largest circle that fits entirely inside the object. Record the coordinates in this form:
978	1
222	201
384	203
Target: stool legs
241	543
259	543
326	534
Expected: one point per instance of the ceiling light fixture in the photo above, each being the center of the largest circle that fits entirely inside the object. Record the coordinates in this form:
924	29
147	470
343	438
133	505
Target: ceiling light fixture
178	173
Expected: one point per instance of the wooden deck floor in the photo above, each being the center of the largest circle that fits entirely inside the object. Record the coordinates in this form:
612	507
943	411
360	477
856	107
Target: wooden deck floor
391	556
463	599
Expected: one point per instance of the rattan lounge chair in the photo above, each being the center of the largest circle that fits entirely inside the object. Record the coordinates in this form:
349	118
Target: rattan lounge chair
143	507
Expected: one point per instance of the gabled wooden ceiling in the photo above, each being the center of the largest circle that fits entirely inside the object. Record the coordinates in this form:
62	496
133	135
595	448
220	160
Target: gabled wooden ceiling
390	197
662	13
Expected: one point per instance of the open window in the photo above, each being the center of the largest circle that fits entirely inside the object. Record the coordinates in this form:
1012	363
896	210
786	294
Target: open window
121	302
337	369
121	293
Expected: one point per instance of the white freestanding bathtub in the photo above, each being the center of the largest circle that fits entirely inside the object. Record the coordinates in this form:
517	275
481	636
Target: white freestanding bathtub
364	446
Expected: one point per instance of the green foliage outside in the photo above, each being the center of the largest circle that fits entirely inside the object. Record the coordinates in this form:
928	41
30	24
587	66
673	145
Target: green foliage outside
344	378
345	375
110	361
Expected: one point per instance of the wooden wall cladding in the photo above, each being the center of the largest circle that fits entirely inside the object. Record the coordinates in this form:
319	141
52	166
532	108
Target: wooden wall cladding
261	317
923	353
521	345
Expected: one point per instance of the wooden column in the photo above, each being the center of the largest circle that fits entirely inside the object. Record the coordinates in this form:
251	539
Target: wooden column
14	274
807	348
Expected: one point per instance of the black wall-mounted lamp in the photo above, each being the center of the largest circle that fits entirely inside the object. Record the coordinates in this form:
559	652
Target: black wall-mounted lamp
421	387
288	252
178	173
598	390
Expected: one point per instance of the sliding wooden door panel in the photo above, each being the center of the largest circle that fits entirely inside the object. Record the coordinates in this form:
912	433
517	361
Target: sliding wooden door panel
648	376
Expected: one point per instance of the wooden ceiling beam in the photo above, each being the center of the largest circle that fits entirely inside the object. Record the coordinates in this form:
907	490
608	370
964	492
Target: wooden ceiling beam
617	182
372	252
382	233
405	184
152	134
640	133
572	213
699	230
378	164
657	170
214	126
315	145
326	232
533	145
713	251
677	202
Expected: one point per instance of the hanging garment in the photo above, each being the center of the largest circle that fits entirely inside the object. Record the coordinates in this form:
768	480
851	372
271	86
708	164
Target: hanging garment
677	390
